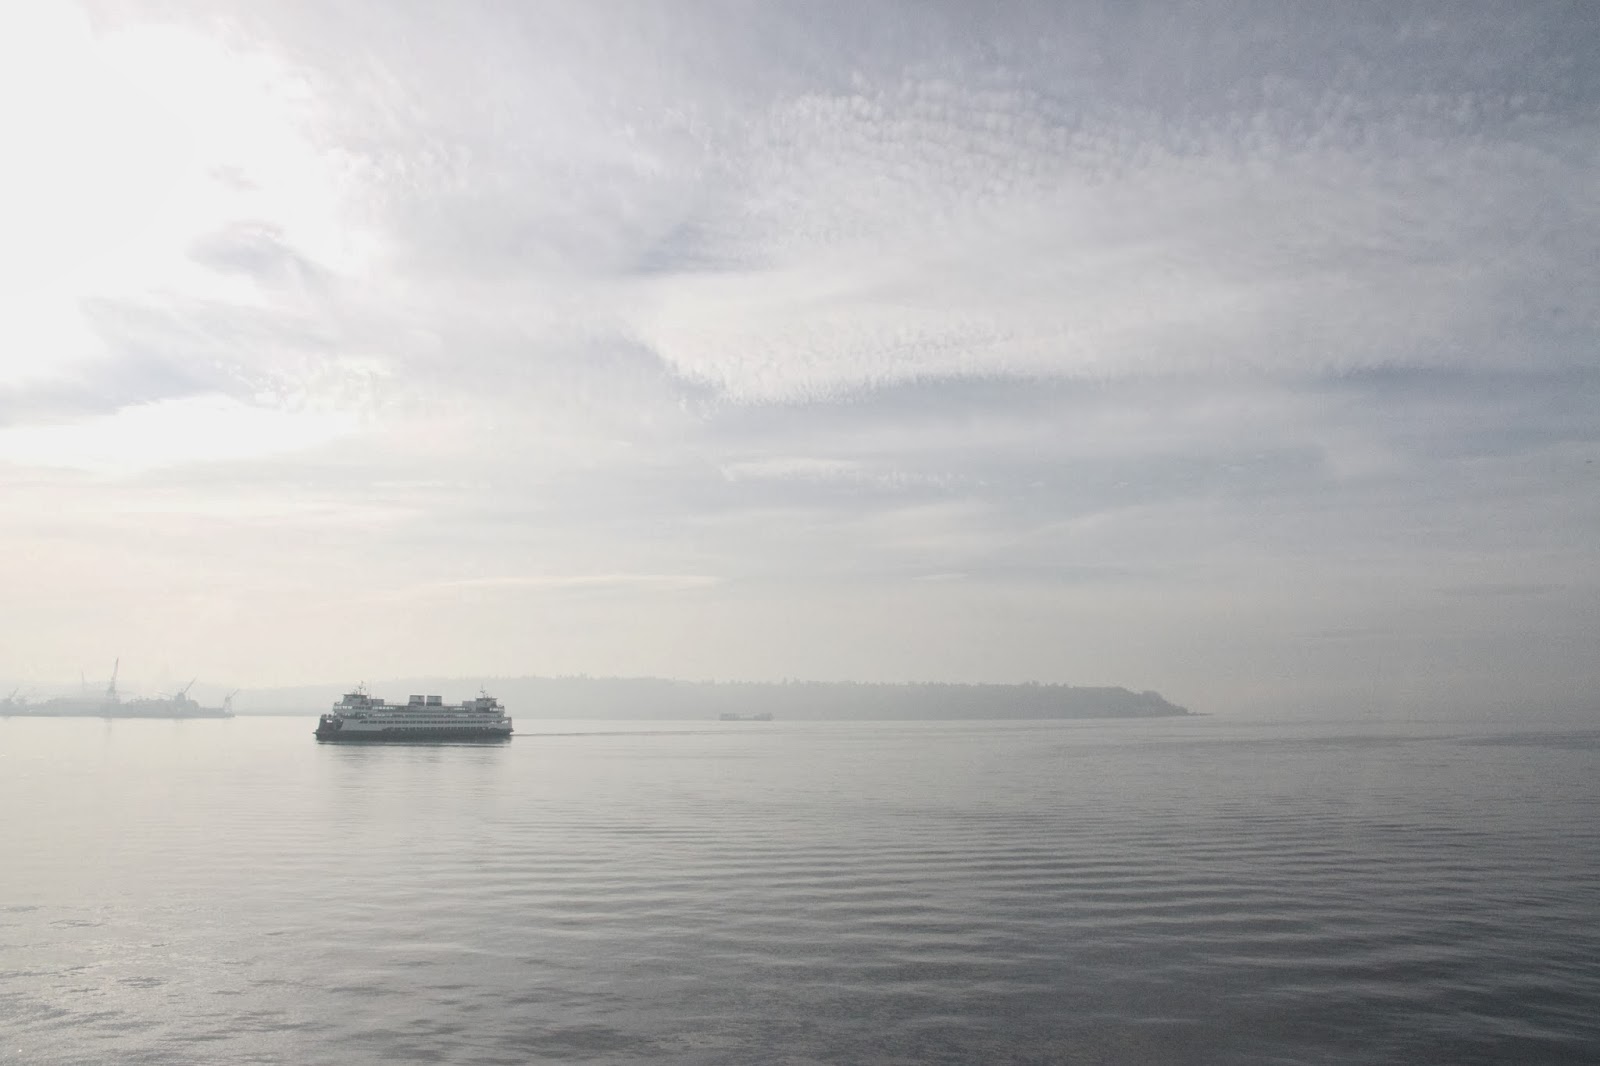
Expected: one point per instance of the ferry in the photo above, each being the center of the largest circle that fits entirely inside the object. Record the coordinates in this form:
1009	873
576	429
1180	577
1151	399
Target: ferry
362	717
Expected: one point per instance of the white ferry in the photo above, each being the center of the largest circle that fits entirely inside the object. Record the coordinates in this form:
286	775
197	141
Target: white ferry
360	717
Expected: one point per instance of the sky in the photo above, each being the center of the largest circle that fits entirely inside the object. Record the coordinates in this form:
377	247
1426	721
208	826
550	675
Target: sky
1244	352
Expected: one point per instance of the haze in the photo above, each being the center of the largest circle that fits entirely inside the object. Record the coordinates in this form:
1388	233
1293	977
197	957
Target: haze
1244	352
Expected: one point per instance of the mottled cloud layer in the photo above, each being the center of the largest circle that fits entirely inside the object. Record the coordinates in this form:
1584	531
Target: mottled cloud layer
1239	350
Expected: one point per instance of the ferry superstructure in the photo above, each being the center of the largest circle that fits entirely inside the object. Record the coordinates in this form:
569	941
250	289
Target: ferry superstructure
362	717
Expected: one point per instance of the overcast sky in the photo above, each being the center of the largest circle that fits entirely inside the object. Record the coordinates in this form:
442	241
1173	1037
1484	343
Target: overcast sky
1246	352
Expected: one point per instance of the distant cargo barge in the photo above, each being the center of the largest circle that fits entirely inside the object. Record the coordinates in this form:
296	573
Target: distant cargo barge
360	718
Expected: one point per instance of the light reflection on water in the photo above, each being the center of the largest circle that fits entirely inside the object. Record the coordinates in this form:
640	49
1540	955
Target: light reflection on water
1175	890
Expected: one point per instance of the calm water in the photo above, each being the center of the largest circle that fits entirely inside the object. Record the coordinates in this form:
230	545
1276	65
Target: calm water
1164	891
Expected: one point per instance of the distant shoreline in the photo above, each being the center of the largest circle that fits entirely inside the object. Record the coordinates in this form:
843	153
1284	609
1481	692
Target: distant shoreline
659	699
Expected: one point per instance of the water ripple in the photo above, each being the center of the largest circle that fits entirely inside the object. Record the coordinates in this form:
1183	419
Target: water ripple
1043	892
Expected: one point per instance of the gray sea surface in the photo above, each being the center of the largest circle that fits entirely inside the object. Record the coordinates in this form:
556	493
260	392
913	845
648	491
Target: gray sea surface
1161	891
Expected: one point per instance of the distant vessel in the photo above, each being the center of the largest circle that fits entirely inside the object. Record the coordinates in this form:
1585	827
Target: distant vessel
360	717
111	705
764	716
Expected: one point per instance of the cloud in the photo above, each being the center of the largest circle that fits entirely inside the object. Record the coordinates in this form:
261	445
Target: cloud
976	325
858	212
891	258
201	429
560	584
255	250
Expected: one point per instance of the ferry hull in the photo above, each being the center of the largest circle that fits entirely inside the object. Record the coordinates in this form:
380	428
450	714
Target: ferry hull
410	736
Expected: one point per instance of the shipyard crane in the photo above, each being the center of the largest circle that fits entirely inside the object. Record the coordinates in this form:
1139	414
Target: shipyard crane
183	693
111	689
